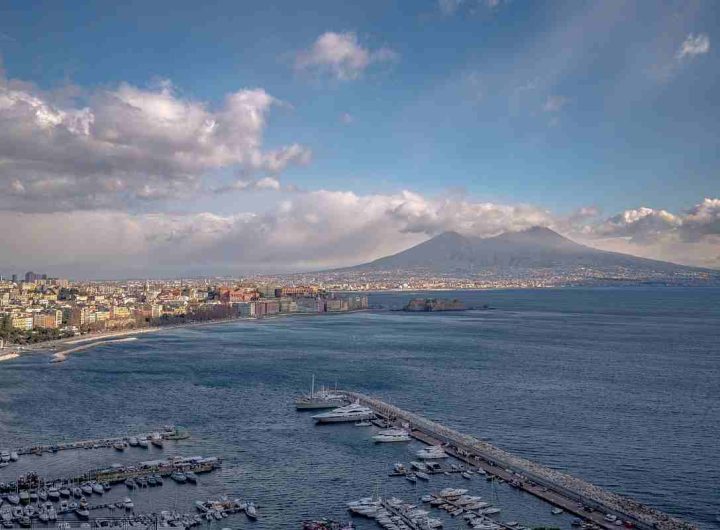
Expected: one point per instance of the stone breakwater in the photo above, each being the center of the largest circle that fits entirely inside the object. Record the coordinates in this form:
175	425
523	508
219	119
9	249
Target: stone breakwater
565	485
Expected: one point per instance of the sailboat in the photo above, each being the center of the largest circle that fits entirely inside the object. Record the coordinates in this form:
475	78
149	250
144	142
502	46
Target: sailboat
325	399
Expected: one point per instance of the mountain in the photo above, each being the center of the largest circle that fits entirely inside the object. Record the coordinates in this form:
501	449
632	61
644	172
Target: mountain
534	248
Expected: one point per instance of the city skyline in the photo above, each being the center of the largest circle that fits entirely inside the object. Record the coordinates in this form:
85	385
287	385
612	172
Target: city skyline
271	139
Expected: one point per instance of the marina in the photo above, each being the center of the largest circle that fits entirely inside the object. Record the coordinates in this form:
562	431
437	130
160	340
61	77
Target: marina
589	502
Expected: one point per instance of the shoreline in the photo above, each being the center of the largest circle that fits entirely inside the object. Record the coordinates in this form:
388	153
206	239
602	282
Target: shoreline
61	352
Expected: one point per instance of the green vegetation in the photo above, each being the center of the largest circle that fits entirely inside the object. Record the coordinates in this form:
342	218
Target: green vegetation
19	336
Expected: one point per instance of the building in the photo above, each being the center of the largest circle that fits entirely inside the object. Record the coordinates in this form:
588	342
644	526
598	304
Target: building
48	319
246	309
23	322
31	277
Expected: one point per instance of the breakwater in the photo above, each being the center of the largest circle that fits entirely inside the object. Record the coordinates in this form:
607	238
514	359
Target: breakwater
572	494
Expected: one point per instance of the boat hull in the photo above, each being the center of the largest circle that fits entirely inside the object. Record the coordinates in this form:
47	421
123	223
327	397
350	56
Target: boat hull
346	419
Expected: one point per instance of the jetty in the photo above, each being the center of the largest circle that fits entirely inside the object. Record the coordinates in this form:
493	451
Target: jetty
587	501
168	432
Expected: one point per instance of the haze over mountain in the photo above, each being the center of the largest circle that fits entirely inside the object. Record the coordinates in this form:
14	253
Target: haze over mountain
534	248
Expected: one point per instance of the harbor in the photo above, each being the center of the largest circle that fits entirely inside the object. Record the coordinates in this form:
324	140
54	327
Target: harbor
590	503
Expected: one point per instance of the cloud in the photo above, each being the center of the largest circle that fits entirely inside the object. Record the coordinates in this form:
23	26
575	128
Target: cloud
450	7
341	56
693	45
127	144
263	184
346	118
554	103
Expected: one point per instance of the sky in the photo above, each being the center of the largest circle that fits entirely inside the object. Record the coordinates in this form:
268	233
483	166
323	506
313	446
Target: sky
162	138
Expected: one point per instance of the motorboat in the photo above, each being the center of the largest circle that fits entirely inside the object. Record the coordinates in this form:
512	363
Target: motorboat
119	446
24	497
82	513
133	441
191	477
53	494
97	488
14	456
65	492
157	440
4	456
391	435
354	412
251	510
179	477
128	503
422	476
42	495
130	483
86	488
556	511
142	442
411	477
77	492
434	452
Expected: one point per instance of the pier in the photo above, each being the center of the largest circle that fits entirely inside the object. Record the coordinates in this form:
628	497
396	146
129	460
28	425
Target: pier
574	495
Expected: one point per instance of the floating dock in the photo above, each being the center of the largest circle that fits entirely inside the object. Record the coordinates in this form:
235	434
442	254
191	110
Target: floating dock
576	496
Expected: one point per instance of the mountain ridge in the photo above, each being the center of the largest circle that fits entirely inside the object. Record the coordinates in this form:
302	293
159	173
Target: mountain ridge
537	247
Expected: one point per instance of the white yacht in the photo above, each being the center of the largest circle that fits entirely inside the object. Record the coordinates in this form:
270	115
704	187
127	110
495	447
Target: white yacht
391	435
354	412
434	452
325	399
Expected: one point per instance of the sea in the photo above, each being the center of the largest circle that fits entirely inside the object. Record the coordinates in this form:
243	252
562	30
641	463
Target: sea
618	386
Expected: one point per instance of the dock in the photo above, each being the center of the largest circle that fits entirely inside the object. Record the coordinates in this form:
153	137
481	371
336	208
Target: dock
576	496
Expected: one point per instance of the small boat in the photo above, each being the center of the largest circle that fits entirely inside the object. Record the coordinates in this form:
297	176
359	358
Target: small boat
351	413
391	435
24	497
106	486
157	440
141	482
133	441
251	510
97	488
86	489
363	423
5	456
53	494
191	477
64	506
159	480
128	503
42	495
466	475
130	483
65	492
427	498
434	452
178	477
25	522
411	477
142	442
422	476
119	446
151	481
556	511
82	513
399	468
77	492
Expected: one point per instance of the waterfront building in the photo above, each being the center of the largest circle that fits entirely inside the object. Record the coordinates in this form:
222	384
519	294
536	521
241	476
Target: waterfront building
23	322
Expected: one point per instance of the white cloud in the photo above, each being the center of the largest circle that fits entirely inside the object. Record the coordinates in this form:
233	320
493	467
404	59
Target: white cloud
346	118
693	45
341	55
554	103
126	144
450	7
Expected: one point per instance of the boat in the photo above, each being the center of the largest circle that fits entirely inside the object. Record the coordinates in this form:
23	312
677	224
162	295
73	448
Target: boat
391	435
141	482
324	399
53	494
411	477
434	452
191	477
151	481
42	495
133	441
119	446
422	476
5	456
466	475
399	468
130	483
24	497
82	513
128	503
354	412
251	510
158	480
157	440
179	477
97	488
418	465
86	488
65	492
142	442
14	456
556	511
25	522
364	423
77	492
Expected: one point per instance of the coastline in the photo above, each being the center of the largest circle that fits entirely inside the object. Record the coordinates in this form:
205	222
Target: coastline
9	356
